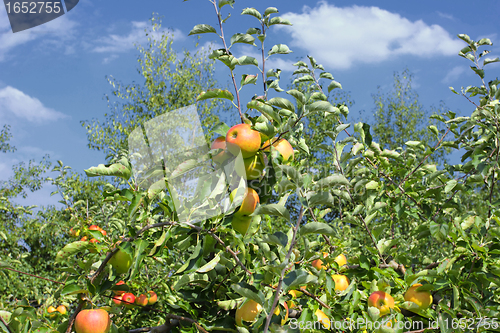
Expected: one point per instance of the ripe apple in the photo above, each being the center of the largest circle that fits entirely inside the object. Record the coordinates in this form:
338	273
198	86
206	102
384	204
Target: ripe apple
94	227
249	203
277	313
341	282
241	223
141	300
318	263
242	138
341	260
283	147
51	310
74	233
121	261
92	321
128	299
220	143
323	318
248	311
119	292
62	309
295	293
252	168
117	299
422	298
152	297
382	301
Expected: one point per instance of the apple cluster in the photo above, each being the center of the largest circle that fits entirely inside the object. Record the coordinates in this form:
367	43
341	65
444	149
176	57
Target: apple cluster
242	139
52	311
129	300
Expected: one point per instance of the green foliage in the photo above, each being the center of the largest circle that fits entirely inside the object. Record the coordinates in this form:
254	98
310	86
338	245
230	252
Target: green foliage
399	218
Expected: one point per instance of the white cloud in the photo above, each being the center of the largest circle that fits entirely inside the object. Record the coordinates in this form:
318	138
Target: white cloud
114	43
60	29
14	101
446	16
454	74
340	37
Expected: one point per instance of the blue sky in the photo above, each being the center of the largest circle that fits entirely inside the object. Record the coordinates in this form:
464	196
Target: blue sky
53	76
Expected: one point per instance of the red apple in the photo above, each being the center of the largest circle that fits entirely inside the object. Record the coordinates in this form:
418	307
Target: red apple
220	143
94	227
382	301
141	300
119	292
128	299
92	321
242	138
117	299
152	297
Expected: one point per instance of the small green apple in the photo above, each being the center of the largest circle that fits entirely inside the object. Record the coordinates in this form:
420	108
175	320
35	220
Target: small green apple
121	261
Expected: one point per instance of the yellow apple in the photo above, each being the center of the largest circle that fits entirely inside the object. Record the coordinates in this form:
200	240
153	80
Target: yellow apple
249	203
341	282
62	309
248	311
252	168
243	138
283	147
422	298
141	300
382	301
152	297
323	318
341	260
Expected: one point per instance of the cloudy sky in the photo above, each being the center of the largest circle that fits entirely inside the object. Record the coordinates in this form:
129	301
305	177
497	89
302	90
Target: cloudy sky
53	76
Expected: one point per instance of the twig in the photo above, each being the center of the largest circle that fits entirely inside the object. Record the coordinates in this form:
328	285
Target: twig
283	271
33	275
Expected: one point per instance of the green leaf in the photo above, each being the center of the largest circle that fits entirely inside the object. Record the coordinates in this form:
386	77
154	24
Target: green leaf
281	103
202	29
249	291
273	209
221	128
72	289
210	265
251	11
279	49
322	106
333	85
248	79
116	170
278	20
465	38
317	228
222	3
326	75
215	93
439	231
450	185
242	38
296	278
297	95
278	238
71	249
246	60
270	10
490	60
305	78
331	181
434	130
265	109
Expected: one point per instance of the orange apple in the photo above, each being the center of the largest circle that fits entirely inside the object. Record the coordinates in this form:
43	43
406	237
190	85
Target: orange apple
249	203
220	143
152	297
243	138
51	310
128	300
382	301
92	321
277	313
341	282
141	300
94	227
74	233
84	239
248	311
62	309
283	147
422	298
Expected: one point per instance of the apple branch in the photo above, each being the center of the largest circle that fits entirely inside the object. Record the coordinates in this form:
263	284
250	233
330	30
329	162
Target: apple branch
33	275
283	271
